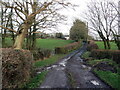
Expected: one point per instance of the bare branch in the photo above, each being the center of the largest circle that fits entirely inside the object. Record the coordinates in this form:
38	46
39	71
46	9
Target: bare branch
8	29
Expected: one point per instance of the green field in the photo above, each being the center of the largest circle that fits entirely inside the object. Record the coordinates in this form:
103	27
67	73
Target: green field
101	45
52	43
44	43
8	42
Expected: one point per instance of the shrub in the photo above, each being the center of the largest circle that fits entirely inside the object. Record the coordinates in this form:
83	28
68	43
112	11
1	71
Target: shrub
109	54
37	54
41	53
67	48
90	41
16	67
116	56
91	45
47	53
101	54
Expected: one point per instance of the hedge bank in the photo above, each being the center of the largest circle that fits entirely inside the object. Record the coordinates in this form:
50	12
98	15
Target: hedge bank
67	48
16	67
91	45
110	54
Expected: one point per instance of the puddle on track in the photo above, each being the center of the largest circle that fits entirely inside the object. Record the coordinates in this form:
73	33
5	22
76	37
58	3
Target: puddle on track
60	66
94	82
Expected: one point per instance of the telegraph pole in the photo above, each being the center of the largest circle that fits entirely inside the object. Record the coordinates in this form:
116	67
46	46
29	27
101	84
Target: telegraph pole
87	32
118	17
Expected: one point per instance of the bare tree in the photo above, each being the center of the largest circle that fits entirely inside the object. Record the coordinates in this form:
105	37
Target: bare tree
3	23
116	31
27	11
7	21
101	17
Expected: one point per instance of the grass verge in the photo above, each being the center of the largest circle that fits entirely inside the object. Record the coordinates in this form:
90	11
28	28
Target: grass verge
36	81
109	61
97	61
113	79
49	61
109	77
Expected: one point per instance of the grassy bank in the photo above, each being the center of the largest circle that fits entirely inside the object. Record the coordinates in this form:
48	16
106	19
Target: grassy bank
109	77
112	79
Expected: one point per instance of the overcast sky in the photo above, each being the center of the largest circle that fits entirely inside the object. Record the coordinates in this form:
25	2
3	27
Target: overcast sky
73	14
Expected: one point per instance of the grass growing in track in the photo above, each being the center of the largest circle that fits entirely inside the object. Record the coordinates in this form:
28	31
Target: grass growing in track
101	45
86	55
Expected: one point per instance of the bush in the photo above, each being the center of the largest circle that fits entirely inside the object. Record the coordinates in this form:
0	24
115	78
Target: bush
101	54
67	48
91	45
41	53
37	54
109	54
116	56
16	67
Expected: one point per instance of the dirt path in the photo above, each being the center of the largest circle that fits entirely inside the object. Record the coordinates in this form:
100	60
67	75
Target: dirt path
70	72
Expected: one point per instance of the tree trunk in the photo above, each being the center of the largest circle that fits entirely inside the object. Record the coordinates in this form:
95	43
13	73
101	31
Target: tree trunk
108	44
27	42
13	37
118	45
105	45
117	41
34	35
30	39
20	37
34	41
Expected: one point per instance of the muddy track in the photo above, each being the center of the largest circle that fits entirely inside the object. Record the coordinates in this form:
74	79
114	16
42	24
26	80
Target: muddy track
70	72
